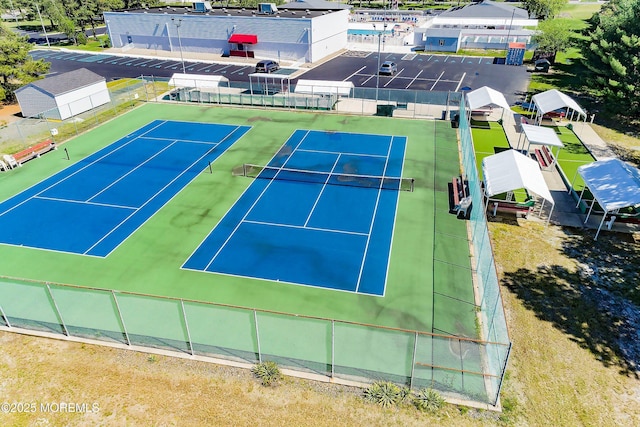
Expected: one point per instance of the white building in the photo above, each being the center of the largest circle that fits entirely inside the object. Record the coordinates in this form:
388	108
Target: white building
305	31
483	25
64	95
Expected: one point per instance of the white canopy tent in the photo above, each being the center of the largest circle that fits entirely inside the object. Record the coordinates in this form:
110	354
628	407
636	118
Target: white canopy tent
552	100
511	170
614	185
486	96
539	135
199	81
324	87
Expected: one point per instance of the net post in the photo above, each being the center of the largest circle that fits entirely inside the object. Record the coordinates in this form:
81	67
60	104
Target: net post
4	316
255	320
210	170
186	324
55	305
413	182
124	327
244	169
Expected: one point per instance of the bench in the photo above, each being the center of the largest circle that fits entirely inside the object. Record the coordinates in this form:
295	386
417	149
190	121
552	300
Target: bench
34	151
548	155
520	209
461	201
539	157
482	112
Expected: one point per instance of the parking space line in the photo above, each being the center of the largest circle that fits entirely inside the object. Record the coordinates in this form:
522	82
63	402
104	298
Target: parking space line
239	69
143	63
205	67
414	79
349	78
437	80
173	65
393	77
364	82
460	82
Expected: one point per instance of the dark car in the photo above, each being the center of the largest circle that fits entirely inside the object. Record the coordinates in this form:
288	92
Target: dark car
267	66
388	67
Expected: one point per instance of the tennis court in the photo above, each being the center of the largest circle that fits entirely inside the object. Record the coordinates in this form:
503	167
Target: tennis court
96	203
373	282
320	214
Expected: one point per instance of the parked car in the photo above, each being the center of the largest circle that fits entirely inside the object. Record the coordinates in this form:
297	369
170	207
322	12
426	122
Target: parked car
388	67
267	66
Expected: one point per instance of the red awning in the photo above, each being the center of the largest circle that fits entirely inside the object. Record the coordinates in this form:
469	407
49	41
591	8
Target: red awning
243	38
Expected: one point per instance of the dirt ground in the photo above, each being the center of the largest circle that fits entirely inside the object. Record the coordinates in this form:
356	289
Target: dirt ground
9	114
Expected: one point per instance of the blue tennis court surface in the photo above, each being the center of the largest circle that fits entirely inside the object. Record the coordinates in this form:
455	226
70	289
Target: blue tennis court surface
321	217
92	206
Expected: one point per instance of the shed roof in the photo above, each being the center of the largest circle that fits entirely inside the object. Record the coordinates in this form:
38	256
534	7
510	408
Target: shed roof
486	9
66	82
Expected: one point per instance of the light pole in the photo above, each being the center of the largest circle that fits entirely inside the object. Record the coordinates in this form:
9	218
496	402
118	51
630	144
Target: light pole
43	28
178	23
384	28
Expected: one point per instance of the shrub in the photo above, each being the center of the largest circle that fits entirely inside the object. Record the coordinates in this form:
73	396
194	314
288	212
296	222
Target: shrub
268	373
428	399
384	394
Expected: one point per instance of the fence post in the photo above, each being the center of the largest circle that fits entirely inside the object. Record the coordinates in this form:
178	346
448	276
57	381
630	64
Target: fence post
413	360
255	319
333	347
4	316
186	324
55	305
124	327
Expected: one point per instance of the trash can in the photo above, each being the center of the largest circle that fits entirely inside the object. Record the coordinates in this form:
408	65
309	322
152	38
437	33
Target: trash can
455	121
569	126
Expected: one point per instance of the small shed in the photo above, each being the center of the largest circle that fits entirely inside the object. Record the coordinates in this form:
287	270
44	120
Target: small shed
64	95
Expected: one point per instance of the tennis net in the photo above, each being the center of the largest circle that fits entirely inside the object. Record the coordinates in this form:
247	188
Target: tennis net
332	178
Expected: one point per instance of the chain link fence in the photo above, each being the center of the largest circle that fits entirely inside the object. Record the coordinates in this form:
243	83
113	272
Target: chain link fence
468	369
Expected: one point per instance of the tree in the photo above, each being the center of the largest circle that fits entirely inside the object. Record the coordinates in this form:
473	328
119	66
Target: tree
544	9
612	54
17	68
553	37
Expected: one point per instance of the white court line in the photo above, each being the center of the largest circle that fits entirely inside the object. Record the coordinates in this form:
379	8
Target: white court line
255	202
437	80
79	170
373	218
155	138
80	202
158	192
131	171
327	230
322	190
349	78
460	82
414	79
338	152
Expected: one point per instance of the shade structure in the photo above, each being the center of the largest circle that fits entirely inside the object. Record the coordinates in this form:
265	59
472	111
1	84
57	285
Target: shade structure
243	38
485	96
196	80
324	87
614	185
539	135
511	170
553	99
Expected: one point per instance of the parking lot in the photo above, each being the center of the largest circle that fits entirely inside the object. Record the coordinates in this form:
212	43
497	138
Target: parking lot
415	71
